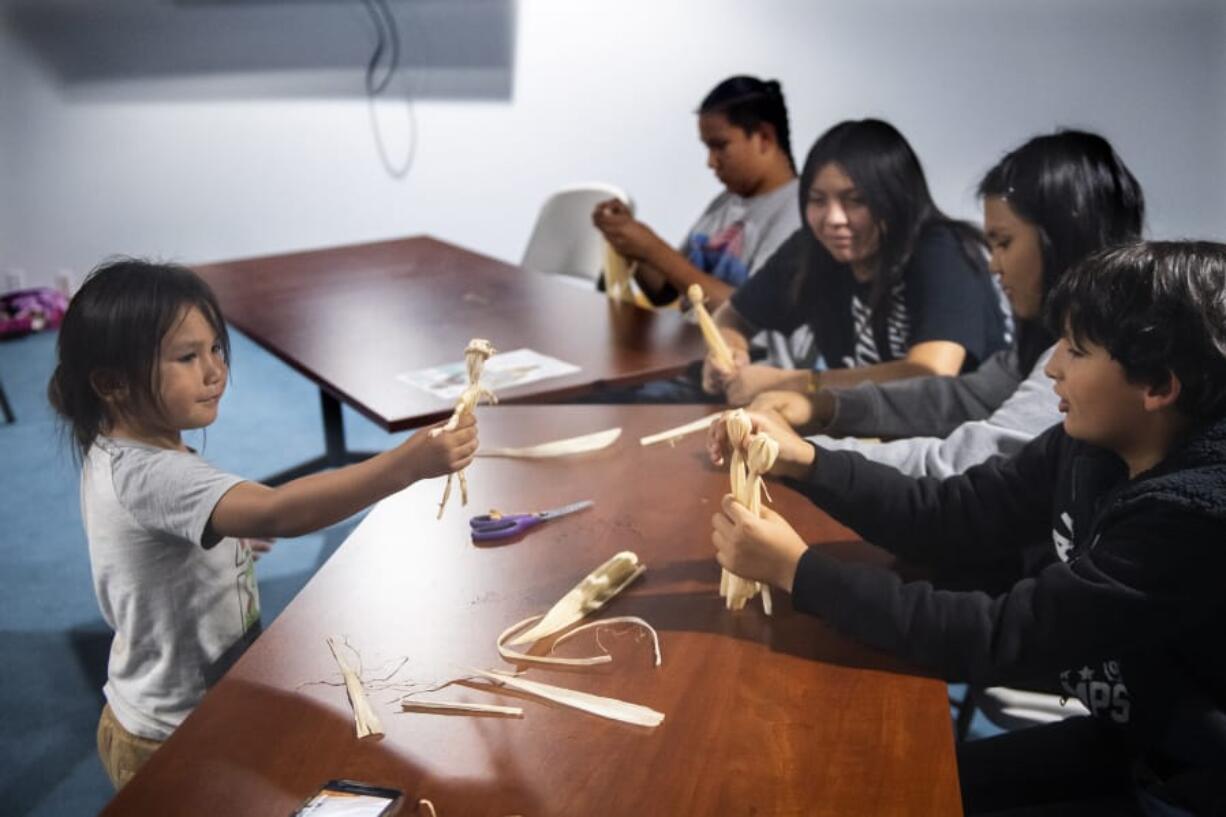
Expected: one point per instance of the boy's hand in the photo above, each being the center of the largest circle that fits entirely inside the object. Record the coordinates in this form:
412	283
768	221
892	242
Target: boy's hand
630	237
765	549
795	454
715	377
436	452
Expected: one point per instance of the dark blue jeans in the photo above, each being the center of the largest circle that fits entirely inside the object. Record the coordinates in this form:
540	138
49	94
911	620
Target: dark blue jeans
1078	766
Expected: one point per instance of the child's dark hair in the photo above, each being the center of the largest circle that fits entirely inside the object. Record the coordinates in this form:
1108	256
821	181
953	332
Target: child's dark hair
1080	197
111	338
747	102
883	166
1159	308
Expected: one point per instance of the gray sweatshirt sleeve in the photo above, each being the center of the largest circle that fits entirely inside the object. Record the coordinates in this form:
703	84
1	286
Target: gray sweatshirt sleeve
1031	410
925	406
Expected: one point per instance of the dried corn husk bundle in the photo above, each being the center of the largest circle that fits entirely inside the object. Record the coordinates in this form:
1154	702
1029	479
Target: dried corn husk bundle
364	718
715	341
558	448
671	435
611	708
590	594
475	355
761	451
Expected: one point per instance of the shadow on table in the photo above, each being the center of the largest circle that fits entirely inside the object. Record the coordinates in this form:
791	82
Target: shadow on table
697	607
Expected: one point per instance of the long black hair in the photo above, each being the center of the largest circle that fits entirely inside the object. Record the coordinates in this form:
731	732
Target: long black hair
1079	195
112	334
747	102
884	167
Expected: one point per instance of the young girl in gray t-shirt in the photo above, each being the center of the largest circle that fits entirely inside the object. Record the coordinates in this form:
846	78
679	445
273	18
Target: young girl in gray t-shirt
143	356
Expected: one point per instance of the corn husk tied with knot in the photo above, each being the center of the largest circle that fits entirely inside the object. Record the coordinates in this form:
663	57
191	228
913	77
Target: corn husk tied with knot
761	451
477	352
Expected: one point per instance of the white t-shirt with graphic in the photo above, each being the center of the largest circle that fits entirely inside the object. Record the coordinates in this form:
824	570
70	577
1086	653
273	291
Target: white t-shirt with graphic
182	608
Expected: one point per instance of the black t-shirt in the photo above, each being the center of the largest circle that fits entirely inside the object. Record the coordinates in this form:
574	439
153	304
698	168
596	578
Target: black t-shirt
942	296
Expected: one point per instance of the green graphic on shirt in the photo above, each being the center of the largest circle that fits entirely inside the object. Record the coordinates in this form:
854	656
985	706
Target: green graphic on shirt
248	590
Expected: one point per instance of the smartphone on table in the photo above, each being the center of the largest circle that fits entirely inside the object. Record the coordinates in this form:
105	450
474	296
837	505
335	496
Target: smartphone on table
349	798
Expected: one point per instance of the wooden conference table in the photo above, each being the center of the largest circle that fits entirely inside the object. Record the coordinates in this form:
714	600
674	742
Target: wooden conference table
766	716
352	318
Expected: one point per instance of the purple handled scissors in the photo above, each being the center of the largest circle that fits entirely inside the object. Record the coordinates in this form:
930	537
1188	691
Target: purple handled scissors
500	526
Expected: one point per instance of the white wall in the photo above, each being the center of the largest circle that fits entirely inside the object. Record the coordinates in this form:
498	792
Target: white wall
606	90
8	125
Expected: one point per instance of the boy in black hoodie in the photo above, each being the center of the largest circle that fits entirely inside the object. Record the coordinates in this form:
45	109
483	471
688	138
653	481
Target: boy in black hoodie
1117	520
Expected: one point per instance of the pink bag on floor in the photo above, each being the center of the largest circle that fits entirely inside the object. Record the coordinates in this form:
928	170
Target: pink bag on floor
31	310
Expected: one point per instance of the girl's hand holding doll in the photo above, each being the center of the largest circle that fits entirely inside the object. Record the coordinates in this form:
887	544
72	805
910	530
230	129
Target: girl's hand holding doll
437	452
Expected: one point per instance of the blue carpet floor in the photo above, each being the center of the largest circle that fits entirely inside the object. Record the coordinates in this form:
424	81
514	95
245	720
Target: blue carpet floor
53	641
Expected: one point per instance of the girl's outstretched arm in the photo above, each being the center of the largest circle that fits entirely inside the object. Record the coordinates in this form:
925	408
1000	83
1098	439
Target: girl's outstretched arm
250	509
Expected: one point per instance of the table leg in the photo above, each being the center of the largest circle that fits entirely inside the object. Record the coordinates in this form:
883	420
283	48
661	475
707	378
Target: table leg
966	711
334	430
335	454
5	408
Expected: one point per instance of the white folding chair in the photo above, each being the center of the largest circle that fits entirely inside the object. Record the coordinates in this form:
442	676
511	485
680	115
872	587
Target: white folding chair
564	242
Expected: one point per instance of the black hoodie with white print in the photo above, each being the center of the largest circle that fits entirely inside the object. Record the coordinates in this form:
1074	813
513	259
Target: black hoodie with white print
1121	602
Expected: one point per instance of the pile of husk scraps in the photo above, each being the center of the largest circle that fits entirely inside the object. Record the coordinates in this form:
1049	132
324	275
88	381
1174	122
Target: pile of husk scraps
589	595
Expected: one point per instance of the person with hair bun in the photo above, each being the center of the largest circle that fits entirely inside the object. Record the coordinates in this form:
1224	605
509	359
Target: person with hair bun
743	122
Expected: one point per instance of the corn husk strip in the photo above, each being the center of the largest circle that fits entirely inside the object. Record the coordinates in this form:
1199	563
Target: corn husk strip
610	708
456	706
516	657
608	622
715	341
589	595
739	427
476	353
677	433
619	275
365	721
761	454
636	295
558	448
616	274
